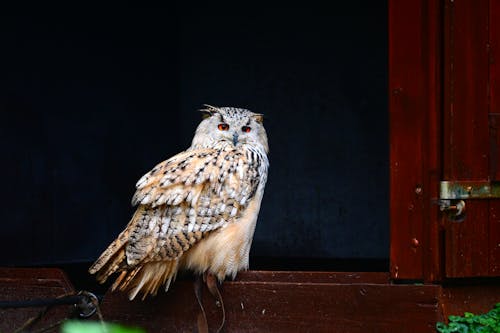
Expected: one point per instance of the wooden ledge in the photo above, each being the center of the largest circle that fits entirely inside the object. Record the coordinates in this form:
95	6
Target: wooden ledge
265	301
313	277
20	284
260	301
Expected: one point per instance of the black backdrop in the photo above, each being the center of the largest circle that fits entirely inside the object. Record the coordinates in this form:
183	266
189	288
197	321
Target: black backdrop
91	99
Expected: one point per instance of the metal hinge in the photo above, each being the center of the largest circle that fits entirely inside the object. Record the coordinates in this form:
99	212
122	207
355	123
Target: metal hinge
455	189
452	194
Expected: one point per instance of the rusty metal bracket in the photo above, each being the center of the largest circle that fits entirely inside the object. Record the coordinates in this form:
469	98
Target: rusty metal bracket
452	194
459	190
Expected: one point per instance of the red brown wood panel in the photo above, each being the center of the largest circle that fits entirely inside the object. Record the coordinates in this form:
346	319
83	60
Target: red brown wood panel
314	277
494	239
414	83
466	152
353	305
20	284
478	298
431	163
494	59
494	124
466	136
467	243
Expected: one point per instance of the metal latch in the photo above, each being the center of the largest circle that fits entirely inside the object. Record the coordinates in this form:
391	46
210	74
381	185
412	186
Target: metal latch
452	194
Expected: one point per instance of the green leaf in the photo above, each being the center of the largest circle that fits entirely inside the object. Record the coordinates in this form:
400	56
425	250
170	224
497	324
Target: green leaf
458	327
442	328
471	323
75	326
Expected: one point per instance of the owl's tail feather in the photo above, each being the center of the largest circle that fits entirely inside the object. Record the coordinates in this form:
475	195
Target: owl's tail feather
147	279
114	258
110	261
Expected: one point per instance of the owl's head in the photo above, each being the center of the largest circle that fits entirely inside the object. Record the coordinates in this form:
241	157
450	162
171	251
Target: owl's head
232	125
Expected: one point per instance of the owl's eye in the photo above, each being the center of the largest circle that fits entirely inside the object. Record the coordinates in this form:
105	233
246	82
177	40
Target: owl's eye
246	129
223	127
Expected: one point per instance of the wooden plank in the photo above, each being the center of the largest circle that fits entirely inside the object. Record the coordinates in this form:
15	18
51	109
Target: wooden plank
494	127
494	58
414	105
18	284
466	150
494	239
475	298
31	277
466	135
405	84
314	277
298	306
270	301
432	169
494	76
467	243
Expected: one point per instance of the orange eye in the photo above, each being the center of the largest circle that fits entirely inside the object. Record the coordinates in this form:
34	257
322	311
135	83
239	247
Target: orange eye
223	127
246	129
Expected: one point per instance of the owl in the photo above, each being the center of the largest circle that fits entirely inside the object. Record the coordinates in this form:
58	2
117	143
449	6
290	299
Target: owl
195	211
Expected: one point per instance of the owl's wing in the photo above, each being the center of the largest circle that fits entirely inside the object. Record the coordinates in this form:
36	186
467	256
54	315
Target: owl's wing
179	202
186	197
179	178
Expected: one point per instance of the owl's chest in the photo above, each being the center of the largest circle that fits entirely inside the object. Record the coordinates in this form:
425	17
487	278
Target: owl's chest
226	251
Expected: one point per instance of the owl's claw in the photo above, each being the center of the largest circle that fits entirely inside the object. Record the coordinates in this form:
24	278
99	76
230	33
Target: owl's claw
202	317
213	287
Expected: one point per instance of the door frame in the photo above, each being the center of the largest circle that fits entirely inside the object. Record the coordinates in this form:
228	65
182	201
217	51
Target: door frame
415	104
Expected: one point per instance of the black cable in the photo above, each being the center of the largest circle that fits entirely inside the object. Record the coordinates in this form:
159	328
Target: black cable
85	302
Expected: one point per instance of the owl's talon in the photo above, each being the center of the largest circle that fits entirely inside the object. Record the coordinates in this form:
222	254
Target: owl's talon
202	317
213	287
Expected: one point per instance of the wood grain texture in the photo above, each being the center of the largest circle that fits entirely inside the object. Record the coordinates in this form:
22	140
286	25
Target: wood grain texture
494	239
475	298
432	246
414	105
314	277
494	88
494	76
466	149
19	284
270	301
467	246
470	131
289	302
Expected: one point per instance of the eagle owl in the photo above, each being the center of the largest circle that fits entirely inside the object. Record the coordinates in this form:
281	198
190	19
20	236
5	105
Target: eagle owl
195	211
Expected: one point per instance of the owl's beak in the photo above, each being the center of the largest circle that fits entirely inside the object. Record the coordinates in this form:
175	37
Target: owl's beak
235	138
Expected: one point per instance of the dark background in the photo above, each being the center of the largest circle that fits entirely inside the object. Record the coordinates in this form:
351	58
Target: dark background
92	98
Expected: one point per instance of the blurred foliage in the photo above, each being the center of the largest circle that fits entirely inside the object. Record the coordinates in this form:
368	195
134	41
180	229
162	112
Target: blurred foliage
75	326
471	323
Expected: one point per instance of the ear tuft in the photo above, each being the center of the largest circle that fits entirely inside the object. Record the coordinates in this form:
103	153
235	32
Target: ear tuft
208	111
258	117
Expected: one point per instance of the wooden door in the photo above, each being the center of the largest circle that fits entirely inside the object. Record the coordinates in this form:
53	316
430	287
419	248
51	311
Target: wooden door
444	125
471	138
